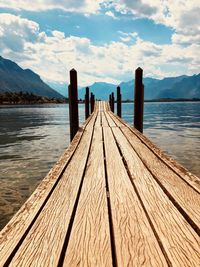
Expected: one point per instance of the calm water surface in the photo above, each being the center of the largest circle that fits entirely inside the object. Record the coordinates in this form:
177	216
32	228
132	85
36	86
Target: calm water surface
32	138
175	128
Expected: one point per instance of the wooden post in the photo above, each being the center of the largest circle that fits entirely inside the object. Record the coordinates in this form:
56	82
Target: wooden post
92	102
87	100
73	104
119	104
139	100
113	102
110	100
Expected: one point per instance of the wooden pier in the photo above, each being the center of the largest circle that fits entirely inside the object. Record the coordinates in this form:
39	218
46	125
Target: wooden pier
113	199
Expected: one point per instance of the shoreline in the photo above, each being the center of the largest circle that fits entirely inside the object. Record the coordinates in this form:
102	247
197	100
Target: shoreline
82	102
164	100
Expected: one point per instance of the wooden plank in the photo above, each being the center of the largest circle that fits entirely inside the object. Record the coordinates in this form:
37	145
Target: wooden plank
180	242
135	242
98	120
14	231
111	122
106	106
185	197
89	243
189	177
44	242
104	120
100	106
97	105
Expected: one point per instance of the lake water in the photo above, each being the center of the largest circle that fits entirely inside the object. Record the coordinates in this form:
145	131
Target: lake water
32	138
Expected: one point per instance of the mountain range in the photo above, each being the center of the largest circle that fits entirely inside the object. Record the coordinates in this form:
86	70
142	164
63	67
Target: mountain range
15	79
187	87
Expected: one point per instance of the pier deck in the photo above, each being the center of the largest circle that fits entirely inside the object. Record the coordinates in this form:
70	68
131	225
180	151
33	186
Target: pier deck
113	199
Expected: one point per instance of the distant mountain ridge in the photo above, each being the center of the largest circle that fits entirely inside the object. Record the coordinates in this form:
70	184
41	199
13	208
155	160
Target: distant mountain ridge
15	79
100	89
171	87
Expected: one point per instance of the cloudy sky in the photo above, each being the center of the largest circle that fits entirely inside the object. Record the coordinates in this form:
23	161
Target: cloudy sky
104	40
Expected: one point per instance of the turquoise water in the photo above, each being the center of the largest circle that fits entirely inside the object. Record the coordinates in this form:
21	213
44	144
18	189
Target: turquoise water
32	138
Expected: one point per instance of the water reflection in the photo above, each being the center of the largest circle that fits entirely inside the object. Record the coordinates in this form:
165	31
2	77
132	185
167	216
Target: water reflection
32	138
174	127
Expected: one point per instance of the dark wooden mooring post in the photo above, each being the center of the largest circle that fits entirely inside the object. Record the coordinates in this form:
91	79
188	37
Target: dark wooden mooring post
87	101
112	102
139	100
73	104
92	102
119	104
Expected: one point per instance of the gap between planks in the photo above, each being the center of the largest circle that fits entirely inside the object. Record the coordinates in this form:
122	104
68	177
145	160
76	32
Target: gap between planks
169	226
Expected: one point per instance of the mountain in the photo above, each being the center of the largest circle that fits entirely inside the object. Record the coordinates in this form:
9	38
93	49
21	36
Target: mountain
16	79
100	89
155	89
171	87
188	87
60	87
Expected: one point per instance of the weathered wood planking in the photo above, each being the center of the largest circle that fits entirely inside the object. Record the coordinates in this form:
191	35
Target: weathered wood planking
189	178
184	196
171	228
91	224
43	244
135	242
113	199
104	120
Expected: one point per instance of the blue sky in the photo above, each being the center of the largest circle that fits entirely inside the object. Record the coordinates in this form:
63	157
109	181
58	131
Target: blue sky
99	28
104	40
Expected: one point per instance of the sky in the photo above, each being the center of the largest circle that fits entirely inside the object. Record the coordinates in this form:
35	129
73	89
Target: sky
103	40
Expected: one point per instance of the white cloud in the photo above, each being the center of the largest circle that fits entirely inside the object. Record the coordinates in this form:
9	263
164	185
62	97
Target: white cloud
186	39
127	36
58	34
136	7
84	6
15	32
111	14
182	16
53	56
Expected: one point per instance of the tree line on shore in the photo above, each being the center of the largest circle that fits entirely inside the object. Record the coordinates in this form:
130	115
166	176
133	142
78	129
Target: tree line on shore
27	98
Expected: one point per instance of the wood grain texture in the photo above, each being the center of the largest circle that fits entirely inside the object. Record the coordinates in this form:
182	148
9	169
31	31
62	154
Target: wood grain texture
172	229
44	242
135	242
185	196
186	175
101	108
104	120
110	121
89	243
18	225
98	120
189	177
